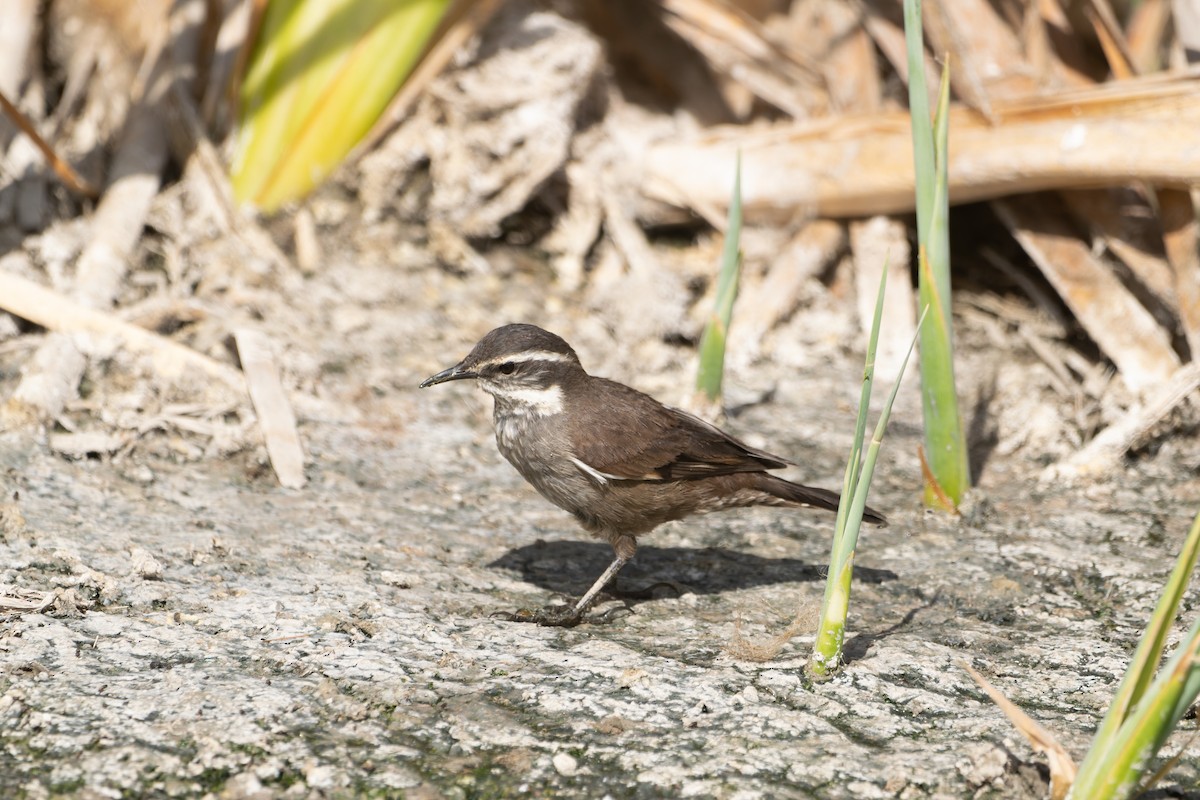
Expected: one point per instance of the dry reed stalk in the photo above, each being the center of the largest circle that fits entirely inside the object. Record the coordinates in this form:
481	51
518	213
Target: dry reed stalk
860	165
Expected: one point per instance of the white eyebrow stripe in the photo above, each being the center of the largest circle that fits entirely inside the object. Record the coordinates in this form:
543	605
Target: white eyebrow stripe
533	355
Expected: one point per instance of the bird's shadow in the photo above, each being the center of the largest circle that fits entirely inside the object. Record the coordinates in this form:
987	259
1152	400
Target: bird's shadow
570	567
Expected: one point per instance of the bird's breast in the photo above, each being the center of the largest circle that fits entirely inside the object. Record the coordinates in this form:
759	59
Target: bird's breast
540	450
510	430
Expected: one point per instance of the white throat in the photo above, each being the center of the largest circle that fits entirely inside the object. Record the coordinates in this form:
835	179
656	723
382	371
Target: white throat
543	402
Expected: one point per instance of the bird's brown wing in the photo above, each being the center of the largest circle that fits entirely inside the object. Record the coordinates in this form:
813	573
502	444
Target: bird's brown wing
638	438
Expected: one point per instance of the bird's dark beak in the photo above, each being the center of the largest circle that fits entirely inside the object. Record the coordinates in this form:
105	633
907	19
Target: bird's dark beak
455	373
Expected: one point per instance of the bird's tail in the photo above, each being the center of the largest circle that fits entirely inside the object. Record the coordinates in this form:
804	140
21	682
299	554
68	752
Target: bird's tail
809	496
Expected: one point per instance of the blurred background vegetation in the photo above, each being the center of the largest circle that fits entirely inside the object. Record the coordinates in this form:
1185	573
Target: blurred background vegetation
591	139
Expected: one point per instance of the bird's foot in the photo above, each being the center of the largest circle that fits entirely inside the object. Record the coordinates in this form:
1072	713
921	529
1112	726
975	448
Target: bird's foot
553	616
561	616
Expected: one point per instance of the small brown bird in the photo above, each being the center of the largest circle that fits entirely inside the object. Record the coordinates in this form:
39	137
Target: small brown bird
618	460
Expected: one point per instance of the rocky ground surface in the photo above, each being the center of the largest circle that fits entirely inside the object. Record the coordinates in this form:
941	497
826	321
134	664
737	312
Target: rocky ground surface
213	635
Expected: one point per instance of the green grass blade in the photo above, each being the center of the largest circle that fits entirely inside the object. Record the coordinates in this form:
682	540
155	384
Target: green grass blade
850	480
1116	772
918	106
1191	683
831	628
868	470
938	243
711	373
1148	654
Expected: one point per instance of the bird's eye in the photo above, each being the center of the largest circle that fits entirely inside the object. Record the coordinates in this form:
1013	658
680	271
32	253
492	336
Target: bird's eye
508	368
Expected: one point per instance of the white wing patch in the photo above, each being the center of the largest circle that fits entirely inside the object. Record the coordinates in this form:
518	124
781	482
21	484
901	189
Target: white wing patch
593	473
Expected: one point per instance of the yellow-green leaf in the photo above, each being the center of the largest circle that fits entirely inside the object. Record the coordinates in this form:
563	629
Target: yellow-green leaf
320	75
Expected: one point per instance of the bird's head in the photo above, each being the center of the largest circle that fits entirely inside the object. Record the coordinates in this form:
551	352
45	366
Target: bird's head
522	366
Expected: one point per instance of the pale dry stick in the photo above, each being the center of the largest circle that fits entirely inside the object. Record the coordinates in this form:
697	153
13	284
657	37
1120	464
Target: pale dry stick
1062	766
851	70
18	33
631	242
857	165
64	316
735	44
1148	23
1115	320
275	415
769	301
13	598
1112	38
135	178
80	444
577	229
308	244
1181	237
65	172
1105	451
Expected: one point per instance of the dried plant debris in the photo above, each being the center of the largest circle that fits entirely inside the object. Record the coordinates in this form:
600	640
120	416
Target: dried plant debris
13	598
568	144
513	112
860	164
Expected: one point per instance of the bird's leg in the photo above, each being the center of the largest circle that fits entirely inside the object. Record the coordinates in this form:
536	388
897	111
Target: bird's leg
569	616
589	596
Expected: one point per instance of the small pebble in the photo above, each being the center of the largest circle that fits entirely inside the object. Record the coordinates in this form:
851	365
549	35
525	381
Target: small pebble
565	764
319	777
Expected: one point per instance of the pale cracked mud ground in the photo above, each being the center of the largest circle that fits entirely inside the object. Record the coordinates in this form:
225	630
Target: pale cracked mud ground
230	639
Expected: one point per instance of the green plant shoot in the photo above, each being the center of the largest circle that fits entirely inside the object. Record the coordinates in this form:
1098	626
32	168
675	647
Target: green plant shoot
710	375
1146	709
949	474
831	629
